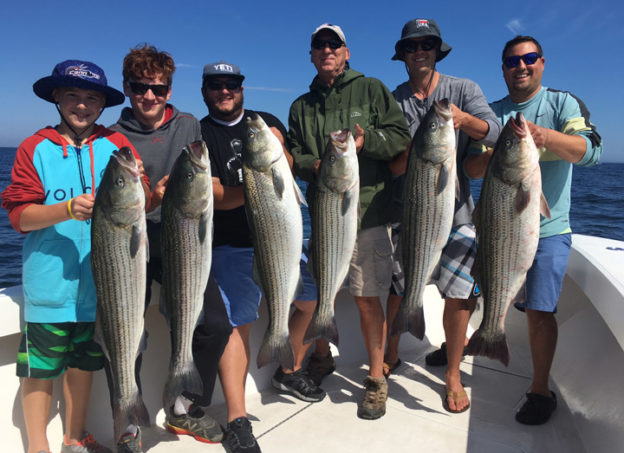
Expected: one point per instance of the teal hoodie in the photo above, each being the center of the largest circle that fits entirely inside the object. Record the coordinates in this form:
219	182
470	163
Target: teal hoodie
352	99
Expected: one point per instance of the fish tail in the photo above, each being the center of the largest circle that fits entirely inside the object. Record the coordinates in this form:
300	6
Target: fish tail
494	347
129	411
183	378
276	349
322	327
412	322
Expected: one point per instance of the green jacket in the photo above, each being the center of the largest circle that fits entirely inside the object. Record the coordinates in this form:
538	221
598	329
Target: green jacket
353	98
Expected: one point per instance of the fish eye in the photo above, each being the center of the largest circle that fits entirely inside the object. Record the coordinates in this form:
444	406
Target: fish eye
120	181
332	158
433	125
507	142
189	175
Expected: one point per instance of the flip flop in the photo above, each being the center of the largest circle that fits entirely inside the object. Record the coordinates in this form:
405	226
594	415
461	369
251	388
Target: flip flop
455	396
388	369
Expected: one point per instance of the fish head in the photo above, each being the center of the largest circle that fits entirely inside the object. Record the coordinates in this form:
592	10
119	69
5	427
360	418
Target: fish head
515	154
434	139
262	148
339	166
189	188
120	193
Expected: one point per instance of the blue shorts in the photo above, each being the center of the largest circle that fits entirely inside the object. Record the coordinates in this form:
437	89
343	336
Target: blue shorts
545	277
232	270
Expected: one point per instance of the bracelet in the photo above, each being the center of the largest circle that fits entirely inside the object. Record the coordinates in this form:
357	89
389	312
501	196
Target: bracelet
69	211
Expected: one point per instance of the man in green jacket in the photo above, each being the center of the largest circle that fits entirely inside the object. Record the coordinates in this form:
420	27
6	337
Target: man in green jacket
341	98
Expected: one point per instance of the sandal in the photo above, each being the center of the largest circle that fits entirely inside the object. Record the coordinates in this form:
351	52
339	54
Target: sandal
537	409
388	369
438	357
455	396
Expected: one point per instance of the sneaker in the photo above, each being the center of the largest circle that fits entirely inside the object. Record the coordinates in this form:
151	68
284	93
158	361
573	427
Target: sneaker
319	366
195	423
87	444
239	438
375	396
130	443
298	384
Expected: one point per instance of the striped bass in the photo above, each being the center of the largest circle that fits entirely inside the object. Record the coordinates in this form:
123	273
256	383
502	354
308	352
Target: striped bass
186	242
428	207
334	228
507	219
272	204
118	262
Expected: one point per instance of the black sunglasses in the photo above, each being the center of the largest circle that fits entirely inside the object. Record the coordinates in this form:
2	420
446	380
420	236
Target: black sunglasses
141	88
528	58
217	85
426	45
319	44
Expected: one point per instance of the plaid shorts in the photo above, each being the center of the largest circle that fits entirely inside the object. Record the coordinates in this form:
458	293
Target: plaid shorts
46	350
452	275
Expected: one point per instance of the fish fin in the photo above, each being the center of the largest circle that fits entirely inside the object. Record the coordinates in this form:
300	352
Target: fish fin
182	378
346	202
544	208
299	194
443	177
276	350
412	322
322	328
203	227
130	411
523	197
495	347
278	182
136	239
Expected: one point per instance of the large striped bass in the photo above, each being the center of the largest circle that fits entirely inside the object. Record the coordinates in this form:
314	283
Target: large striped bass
272	201
428	207
334	228
186	242
118	262
507	219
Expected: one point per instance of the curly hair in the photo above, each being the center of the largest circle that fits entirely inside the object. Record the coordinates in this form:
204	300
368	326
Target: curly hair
145	61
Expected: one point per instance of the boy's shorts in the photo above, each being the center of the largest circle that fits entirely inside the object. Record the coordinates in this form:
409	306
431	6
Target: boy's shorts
232	268
453	275
370	271
46	350
545	277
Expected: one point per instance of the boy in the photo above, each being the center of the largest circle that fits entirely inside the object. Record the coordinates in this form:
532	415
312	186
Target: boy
51	197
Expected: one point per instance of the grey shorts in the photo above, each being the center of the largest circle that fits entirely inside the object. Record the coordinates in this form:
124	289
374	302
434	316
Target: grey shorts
370	271
453	275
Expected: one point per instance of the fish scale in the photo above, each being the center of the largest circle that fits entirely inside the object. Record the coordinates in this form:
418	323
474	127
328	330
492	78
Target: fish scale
186	243
272	205
428	207
508	233
118	262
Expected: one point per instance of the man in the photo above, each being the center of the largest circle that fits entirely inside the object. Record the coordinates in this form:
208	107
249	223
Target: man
560	126
223	131
341	98
160	131
420	48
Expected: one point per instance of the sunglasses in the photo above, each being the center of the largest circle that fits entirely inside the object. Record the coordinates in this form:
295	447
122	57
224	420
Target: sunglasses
319	44
528	58
141	88
426	45
216	85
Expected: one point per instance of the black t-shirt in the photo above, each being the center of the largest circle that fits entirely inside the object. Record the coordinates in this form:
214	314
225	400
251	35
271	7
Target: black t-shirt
225	146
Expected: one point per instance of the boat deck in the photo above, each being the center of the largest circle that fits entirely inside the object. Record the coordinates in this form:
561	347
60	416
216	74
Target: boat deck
415	418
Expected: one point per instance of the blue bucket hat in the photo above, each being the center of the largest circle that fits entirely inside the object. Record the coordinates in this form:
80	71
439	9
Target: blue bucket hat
78	74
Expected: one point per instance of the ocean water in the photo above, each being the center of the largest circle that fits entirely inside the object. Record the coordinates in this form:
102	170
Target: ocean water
597	210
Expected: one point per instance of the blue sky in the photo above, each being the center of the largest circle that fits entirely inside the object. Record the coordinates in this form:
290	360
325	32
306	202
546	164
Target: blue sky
583	44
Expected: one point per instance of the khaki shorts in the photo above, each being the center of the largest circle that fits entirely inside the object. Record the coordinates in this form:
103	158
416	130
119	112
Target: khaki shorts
370	271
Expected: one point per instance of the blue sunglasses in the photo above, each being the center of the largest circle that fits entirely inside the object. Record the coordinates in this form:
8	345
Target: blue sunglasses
528	58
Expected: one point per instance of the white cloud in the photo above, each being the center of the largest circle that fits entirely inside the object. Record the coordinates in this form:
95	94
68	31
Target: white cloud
184	65
515	26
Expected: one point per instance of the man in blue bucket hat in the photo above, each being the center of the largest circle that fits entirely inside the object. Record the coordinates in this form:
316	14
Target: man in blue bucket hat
51	196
